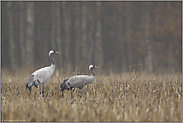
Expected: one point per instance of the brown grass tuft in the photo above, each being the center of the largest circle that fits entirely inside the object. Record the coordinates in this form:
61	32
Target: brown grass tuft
117	97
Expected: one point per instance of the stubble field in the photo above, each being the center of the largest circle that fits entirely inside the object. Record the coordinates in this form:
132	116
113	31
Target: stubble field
116	97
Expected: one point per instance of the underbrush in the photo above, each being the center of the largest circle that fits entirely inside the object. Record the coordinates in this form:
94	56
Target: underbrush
117	97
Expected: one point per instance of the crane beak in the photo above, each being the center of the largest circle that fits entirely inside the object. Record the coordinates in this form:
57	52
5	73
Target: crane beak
58	52
96	67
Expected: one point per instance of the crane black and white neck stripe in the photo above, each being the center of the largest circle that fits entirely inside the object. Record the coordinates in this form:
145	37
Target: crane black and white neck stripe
78	81
41	76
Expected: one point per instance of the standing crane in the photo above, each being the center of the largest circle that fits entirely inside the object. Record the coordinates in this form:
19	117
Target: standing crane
41	76
78	81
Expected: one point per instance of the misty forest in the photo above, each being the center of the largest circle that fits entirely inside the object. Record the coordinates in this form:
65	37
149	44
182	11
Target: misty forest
116	36
136	45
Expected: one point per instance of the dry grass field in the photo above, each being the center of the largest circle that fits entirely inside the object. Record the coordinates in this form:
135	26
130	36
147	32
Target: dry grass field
117	97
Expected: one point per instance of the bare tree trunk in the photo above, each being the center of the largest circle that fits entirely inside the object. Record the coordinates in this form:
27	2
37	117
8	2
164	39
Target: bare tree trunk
147	35
173	58
78	33
66	11
128	14
45	50
11	37
22	28
90	39
30	34
98	38
157	24
121	33
84	44
53	26
58	32
121	47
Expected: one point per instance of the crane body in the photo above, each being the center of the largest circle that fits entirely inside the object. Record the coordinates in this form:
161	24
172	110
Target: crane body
41	76
78	81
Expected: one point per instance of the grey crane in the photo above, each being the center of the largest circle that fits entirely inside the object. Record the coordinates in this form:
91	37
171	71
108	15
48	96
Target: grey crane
41	76
78	81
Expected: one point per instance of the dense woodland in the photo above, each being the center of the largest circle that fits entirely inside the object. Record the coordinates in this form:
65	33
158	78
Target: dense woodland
116	36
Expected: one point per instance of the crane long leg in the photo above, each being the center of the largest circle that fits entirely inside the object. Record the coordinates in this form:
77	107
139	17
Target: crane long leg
40	89
80	92
43	90
72	91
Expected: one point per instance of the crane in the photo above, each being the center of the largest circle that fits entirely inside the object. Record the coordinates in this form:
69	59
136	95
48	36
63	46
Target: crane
41	76
78	81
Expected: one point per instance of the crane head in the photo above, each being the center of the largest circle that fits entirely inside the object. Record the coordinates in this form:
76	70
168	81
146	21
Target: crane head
92	66
53	51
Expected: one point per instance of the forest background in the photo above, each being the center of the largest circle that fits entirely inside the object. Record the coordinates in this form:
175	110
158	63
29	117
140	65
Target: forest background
116	36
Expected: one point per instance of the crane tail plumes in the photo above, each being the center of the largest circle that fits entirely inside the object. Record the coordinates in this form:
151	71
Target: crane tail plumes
30	82
28	87
63	85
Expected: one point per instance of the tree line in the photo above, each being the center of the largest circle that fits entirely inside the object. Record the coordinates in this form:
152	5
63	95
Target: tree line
118	36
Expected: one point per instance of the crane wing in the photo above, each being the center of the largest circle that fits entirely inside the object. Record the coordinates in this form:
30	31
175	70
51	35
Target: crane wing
63	84
30	82
40	76
43	74
77	81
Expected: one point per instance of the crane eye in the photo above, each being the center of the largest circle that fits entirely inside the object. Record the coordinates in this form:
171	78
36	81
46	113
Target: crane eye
53	51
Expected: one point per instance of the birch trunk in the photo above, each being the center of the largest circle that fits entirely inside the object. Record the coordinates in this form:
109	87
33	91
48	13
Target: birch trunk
120	36
77	35
22	37
67	21
90	39
147	35
98	38
11	36
128	14
30	34
84	44
58	32
53	26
